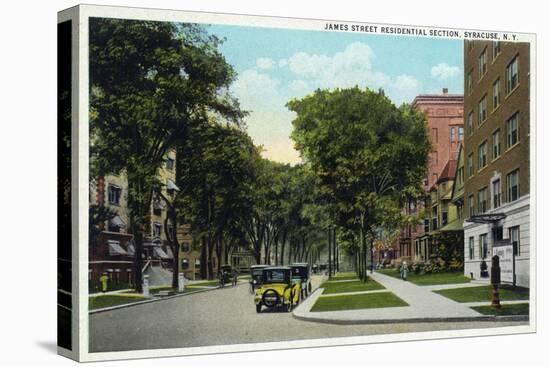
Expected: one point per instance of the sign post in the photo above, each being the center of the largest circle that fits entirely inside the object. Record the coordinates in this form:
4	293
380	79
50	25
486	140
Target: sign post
495	281
505	251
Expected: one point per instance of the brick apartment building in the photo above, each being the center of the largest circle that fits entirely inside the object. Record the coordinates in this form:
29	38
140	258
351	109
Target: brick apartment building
496	153
445	123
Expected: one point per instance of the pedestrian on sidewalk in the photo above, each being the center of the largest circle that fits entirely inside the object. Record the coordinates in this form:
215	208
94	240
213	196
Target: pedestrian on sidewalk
403	270
104	279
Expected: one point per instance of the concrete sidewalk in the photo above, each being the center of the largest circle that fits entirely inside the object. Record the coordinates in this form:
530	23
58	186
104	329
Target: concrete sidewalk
424	306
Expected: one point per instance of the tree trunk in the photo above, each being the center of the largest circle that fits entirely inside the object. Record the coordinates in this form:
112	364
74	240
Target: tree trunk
204	259
329	237
283	245
138	260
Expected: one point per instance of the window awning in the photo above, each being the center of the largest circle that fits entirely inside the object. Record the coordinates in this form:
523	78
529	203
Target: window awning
169	252
160	253
115	249
117	222
170	185
486	218
131	250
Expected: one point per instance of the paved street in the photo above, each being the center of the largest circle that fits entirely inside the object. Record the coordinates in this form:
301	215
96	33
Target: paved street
225	316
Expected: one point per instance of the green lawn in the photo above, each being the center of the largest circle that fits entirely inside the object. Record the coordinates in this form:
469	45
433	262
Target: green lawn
484	293
206	283
344	276
358	301
504	310
113	300
429	279
351	286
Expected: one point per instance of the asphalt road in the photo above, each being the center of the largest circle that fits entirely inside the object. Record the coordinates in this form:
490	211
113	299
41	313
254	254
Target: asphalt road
226	316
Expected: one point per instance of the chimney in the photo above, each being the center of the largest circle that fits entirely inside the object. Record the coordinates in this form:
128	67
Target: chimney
445	91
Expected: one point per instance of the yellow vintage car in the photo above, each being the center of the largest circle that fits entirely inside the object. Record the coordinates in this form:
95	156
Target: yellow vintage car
278	289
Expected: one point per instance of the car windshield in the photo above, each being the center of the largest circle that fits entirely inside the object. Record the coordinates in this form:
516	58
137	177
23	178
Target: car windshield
276	276
299	272
256	272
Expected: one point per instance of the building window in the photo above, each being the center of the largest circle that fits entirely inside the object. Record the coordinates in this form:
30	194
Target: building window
482	200
512	185
469	82
185	246
513	233
496	49
512	131
459	211
460	175
113	193
170	163
496	94
460	133
434	135
471	208
496	144
482	155
482	63
426	225
157	227
482	110
185	264
444	218
483	246
470	164
453	133
496	193
470	123
512	79
471	248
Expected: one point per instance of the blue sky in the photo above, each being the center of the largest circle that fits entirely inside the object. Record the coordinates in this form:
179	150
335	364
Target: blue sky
277	65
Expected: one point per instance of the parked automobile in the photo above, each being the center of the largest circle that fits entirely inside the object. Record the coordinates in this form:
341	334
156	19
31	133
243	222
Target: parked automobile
301	272
256	276
278	290
227	275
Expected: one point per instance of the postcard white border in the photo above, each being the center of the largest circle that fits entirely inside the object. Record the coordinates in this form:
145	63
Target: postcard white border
80	15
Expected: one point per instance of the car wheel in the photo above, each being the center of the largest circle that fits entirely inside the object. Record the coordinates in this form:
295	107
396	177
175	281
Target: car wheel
270	298
259	308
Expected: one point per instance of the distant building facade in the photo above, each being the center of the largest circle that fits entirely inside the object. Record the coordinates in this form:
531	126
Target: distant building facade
113	251
496	153
445	123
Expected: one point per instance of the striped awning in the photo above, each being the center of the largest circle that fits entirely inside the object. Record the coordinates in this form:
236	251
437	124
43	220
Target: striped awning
115	249
117	222
170	185
160	253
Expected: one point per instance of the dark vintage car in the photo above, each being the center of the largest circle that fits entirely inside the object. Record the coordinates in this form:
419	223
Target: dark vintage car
301	272
227	275
278	290
256	276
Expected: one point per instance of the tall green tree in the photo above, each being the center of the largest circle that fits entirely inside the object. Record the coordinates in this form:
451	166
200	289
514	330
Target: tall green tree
148	82
216	179
366	153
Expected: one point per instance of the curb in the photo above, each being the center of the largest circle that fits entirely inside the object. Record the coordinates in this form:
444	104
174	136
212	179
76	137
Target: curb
157	299
411	320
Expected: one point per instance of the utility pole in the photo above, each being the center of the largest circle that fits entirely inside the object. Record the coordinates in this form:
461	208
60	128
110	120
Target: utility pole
329	254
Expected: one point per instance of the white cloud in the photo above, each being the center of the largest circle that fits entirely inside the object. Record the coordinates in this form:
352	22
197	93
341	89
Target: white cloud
283	63
350	67
256	90
404	88
444	71
265	63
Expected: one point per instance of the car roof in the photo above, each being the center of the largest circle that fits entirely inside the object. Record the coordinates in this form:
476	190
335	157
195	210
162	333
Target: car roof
300	264
259	266
277	267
